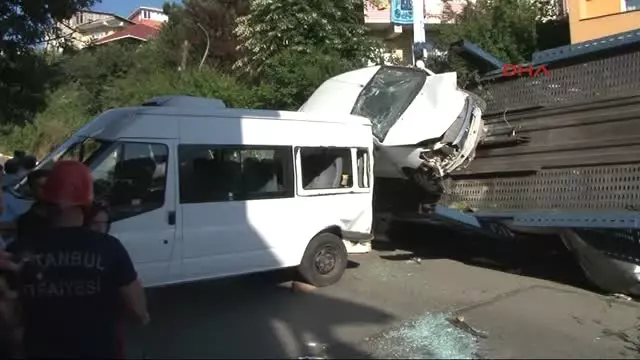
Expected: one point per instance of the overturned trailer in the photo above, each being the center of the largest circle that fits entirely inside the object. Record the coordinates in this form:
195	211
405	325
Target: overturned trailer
560	156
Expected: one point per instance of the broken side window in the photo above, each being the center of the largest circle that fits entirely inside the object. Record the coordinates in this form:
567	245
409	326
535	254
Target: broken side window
326	168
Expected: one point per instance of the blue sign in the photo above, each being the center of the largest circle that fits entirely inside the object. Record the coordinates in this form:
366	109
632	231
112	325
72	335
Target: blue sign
402	12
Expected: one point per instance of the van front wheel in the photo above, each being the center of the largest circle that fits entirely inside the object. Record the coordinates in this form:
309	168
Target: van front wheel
324	261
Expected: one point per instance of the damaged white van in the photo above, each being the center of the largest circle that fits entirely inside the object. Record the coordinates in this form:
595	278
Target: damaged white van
199	191
424	126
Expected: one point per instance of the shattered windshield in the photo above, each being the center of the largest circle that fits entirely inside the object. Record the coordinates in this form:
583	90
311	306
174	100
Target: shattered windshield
385	98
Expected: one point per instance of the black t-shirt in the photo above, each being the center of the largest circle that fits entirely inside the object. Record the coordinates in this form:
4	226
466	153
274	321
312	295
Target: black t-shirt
30	224
72	306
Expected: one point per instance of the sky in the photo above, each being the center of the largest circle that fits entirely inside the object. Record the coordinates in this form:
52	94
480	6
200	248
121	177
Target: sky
126	7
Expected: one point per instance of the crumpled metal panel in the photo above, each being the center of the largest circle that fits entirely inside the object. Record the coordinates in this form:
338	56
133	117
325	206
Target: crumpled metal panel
622	244
607	263
617	75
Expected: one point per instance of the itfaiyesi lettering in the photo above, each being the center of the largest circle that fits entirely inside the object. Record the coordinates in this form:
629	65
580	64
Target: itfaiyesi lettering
87	260
72	288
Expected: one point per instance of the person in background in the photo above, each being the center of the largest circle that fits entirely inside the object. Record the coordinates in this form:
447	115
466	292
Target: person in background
1	190
100	221
11	206
82	320
19	154
29	162
12	172
9	314
29	224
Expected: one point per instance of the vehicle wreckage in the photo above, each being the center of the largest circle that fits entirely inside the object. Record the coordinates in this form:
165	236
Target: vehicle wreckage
424	125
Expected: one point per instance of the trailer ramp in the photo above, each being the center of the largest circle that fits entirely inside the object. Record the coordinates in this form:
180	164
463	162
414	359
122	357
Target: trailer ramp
461	221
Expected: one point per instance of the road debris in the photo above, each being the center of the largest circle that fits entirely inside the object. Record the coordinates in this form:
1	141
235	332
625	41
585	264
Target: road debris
622	297
431	336
317	351
459	322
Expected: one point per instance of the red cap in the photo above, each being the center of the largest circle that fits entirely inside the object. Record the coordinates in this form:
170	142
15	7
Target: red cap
69	184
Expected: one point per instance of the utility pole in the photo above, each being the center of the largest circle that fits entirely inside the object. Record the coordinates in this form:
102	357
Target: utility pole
419	34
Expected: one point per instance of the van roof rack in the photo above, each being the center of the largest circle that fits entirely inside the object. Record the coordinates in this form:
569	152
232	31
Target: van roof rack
184	101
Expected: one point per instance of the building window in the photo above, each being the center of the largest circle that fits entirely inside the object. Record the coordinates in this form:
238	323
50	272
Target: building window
79	18
326	168
146	14
215	173
630	5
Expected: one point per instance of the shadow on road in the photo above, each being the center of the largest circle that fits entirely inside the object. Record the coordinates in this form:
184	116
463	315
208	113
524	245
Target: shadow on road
534	256
247	317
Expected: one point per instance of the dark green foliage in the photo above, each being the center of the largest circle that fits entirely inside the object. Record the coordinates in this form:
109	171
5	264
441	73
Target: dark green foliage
282	50
24	73
191	22
511	30
303	27
290	77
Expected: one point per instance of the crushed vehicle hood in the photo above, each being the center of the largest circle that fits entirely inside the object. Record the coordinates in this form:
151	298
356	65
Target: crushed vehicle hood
405	105
431	113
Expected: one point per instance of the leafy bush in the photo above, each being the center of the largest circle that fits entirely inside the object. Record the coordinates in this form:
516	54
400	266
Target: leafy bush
66	111
274	27
289	78
115	76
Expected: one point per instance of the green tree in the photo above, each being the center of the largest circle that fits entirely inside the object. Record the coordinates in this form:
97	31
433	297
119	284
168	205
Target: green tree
504	28
305	27
194	24
25	24
290	77
94	69
508	29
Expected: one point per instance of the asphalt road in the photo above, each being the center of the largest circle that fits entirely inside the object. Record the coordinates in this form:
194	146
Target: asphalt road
521	301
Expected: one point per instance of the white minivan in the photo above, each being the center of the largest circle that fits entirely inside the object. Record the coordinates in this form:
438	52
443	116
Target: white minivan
199	191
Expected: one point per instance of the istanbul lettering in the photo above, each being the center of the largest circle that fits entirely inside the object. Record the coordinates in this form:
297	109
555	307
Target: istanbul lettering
519	70
82	260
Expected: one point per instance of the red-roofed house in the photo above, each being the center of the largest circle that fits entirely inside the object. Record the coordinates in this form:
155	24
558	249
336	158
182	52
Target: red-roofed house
87	26
135	32
149	16
147	22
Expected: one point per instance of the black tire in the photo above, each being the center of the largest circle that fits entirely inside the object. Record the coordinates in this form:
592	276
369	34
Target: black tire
324	261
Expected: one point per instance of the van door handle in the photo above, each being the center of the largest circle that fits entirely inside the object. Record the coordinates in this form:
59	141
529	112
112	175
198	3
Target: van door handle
171	217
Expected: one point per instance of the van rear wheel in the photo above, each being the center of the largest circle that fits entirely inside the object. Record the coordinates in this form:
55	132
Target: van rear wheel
324	261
